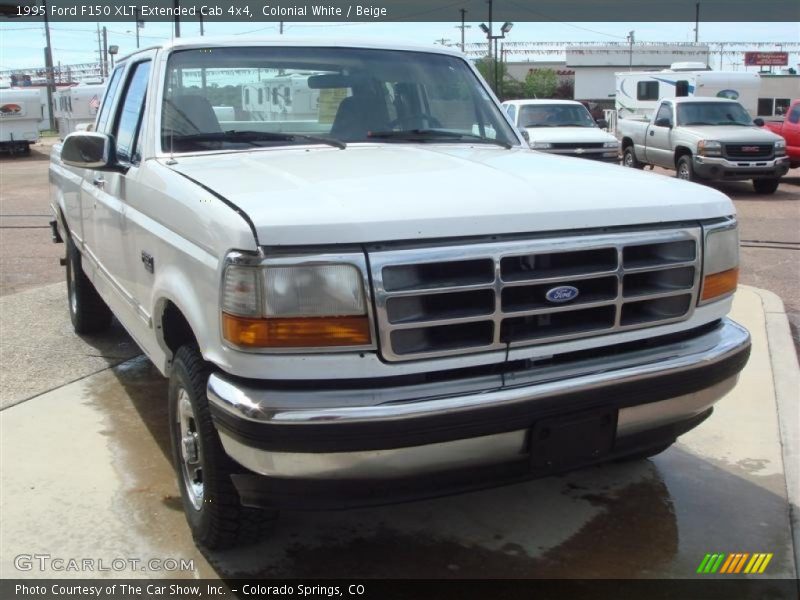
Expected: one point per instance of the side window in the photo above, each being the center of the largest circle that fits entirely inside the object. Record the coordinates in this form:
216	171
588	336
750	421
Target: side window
512	112
664	114
108	99
260	96
130	112
647	90
681	88
794	116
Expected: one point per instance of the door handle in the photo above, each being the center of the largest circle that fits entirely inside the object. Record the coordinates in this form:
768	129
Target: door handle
99	182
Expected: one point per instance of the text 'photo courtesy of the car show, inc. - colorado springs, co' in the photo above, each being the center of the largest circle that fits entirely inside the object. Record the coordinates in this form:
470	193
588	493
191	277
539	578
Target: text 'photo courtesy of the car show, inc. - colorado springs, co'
400	299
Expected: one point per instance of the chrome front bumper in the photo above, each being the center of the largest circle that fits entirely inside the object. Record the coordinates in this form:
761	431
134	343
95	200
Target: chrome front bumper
727	168
391	432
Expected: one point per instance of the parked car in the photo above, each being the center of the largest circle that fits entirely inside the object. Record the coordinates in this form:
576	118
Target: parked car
378	304
705	139
789	130
563	127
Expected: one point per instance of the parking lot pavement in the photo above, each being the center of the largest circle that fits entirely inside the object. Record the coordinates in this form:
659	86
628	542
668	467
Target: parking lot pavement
85	473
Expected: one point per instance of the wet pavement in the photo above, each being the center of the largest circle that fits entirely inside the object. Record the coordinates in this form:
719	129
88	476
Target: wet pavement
86	473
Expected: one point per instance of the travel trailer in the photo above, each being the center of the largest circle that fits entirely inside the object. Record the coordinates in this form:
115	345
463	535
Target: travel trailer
281	98
639	92
76	106
20	113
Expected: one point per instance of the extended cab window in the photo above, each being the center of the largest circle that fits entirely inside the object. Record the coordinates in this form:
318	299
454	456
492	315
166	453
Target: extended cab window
647	90
242	98
108	100
794	116
130	112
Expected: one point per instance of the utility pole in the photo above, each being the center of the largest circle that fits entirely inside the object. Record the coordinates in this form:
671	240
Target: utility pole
489	2
100	55
177	5
696	22
721	53
105	52
136	24
630	52
280	27
441	41
48	65
462	27
202	32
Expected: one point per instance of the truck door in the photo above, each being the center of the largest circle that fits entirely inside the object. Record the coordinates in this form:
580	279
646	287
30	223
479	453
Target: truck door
115	190
658	150
791	131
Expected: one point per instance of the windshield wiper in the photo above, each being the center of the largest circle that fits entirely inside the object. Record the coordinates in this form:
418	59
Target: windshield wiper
257	136
698	123
421	135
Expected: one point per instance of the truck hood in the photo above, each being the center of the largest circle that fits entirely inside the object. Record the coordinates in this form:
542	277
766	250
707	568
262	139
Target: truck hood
383	192
732	133
574	135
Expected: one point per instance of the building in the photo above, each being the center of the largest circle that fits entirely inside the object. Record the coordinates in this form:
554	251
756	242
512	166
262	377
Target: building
776	93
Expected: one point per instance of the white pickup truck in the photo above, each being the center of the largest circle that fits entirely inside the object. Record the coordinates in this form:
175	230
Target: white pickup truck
380	303
705	139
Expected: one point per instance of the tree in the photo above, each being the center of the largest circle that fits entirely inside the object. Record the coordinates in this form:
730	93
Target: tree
541	83
486	68
565	90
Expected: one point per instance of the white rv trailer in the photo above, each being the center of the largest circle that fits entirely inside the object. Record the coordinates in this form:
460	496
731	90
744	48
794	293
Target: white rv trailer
76	106
20	113
281	98
639	92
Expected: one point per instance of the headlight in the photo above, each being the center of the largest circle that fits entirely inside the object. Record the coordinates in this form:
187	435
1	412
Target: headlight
294	306
709	148
611	145
541	145
780	147
720	262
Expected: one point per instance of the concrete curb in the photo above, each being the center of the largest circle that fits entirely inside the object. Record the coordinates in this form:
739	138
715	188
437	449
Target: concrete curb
786	379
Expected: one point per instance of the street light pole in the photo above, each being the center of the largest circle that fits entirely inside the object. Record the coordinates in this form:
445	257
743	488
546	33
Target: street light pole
630	52
48	65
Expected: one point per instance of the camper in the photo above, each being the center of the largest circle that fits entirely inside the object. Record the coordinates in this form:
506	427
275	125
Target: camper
639	92
20	113
281	98
76	106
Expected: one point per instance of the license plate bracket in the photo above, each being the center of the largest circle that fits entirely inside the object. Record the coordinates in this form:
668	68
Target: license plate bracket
560	443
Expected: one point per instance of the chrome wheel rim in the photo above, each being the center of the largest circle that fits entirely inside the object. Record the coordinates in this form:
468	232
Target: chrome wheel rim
628	159
683	172
191	454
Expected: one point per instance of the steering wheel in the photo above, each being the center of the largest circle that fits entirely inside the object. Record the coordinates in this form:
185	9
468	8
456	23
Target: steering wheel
410	121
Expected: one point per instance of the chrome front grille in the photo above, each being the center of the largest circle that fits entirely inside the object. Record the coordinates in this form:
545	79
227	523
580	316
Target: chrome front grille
442	301
749	151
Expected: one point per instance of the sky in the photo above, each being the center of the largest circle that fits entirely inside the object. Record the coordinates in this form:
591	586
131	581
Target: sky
21	44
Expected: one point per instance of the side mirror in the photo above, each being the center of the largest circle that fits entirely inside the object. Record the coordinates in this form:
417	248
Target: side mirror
662	122
88	150
758	121
601	123
524	133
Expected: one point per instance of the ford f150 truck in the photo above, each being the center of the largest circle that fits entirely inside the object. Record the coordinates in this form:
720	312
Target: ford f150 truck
705	139
789	130
563	127
371	302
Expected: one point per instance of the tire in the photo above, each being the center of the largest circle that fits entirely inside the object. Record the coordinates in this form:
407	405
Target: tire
87	310
644	454
629	159
766	186
685	169
211	504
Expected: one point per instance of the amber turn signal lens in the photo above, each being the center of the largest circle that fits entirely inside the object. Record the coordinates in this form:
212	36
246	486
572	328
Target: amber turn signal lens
296	332
720	284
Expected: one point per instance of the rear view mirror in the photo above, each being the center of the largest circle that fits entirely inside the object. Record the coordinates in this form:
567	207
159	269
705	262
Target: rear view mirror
758	121
663	122
88	150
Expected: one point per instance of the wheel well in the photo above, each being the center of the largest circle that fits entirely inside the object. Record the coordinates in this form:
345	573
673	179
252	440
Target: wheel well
681	151
626	142
175	329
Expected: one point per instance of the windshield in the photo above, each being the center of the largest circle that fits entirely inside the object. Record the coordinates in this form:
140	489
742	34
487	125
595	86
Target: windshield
713	113
555	115
232	98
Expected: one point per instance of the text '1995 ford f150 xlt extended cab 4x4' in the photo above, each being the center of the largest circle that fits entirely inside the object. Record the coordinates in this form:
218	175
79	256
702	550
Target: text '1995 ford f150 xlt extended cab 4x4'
364	287
705	139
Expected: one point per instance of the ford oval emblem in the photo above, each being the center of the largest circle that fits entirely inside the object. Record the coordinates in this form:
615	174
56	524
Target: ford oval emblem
562	293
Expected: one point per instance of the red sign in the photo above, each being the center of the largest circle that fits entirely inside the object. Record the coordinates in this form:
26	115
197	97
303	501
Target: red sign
760	59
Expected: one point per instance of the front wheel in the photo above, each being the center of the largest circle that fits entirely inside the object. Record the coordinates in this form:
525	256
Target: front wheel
87	310
629	159
766	186
210	501
685	169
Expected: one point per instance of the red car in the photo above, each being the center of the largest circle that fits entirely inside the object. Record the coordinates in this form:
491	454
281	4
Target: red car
789	129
